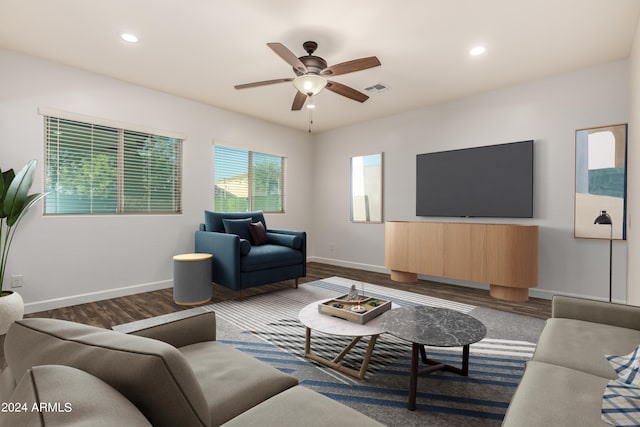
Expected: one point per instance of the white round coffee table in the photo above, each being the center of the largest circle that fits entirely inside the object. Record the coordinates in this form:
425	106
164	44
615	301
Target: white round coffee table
313	320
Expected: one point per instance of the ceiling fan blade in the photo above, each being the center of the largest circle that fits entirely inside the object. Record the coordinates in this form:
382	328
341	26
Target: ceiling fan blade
298	101
347	91
263	83
351	66
291	59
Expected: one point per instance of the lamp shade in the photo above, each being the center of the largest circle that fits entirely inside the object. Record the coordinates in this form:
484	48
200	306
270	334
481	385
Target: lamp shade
604	218
310	84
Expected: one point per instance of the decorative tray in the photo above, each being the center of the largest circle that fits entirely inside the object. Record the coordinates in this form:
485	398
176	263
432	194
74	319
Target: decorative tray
359	310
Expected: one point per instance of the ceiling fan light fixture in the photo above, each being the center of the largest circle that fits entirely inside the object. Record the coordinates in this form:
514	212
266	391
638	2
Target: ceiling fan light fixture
129	38
478	50
311	104
310	84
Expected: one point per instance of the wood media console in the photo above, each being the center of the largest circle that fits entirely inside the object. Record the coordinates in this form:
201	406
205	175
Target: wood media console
503	255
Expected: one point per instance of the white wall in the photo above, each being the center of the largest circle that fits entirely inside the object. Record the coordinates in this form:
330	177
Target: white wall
68	260
548	111
633	282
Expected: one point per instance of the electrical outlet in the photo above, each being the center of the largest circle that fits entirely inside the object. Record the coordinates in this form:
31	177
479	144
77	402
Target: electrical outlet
17	280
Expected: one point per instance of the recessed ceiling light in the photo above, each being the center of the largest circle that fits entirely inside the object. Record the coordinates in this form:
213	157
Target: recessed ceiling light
128	37
478	50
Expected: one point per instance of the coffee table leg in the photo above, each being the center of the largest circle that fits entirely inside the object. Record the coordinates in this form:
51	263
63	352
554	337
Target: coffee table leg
307	342
413	377
465	360
347	349
335	363
423	353
367	356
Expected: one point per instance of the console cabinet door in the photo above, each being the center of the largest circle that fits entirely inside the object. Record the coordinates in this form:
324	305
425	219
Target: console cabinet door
512	255
414	247
427	247
464	252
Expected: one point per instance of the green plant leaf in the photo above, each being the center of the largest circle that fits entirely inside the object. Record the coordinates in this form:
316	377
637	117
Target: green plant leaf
7	177
16	196
32	199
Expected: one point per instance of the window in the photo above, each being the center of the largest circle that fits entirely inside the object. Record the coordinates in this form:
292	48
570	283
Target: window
246	181
96	169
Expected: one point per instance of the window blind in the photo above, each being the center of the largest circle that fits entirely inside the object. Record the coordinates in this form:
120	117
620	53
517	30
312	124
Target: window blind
247	180
96	169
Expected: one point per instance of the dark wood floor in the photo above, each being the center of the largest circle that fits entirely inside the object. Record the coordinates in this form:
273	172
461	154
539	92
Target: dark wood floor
108	313
116	311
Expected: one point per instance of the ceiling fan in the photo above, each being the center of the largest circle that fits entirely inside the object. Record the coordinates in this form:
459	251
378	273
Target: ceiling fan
312	74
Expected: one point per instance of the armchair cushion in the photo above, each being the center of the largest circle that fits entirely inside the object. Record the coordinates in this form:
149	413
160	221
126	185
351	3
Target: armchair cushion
239	227
213	220
270	256
258	233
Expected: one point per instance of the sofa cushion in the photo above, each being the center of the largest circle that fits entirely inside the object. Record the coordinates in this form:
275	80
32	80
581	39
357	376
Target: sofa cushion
53	395
294	242
153	375
301	406
584	345
213	220
232	381
239	227
268	257
551	395
258	233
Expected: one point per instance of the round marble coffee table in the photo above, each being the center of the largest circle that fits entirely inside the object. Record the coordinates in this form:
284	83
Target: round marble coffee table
432	326
313	320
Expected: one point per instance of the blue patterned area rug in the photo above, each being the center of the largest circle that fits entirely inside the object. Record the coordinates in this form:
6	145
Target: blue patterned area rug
266	326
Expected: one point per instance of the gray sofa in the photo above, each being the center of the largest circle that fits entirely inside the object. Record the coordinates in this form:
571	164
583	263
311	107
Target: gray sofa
563	384
62	373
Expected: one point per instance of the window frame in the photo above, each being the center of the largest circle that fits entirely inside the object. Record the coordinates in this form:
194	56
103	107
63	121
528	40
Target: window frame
126	136
251	202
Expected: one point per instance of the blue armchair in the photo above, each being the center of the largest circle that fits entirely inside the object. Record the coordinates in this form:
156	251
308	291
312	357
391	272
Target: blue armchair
246	253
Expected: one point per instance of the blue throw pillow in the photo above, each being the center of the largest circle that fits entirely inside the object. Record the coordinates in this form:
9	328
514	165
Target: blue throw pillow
294	242
240	227
245	247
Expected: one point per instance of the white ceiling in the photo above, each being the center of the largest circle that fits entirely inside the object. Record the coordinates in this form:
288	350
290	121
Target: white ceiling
200	49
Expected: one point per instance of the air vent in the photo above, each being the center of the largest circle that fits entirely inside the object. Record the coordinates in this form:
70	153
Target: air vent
376	88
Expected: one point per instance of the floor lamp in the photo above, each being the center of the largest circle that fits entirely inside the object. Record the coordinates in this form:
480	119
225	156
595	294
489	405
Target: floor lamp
605	219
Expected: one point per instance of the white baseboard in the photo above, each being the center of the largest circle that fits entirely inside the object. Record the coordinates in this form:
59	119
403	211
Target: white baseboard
52	304
35	307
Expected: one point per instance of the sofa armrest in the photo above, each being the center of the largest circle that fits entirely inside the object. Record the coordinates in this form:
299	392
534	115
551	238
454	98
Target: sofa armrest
178	329
622	315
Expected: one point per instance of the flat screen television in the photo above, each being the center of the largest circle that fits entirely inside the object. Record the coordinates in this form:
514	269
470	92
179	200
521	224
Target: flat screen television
493	181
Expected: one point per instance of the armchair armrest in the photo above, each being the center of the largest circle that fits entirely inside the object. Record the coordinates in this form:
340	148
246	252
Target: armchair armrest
302	235
622	315
178	329
226	252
